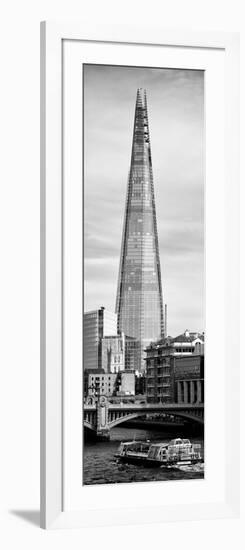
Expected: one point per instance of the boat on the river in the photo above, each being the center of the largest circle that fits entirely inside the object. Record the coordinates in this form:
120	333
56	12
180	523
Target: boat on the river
177	452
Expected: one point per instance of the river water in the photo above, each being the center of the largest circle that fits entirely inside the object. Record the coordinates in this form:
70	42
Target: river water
100	466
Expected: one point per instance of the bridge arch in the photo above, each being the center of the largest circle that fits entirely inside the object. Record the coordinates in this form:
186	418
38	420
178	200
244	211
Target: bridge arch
89	426
178	414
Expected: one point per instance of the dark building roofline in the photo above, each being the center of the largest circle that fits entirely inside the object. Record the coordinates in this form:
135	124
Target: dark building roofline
181	338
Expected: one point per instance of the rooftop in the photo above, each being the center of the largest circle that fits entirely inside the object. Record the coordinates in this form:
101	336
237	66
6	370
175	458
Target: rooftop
187	336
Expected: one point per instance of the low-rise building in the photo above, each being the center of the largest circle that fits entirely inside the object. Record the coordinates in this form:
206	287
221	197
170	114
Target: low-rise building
159	379
188	374
98	382
140	384
125	383
175	369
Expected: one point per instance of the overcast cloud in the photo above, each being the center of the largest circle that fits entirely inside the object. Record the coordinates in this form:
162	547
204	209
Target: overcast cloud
175	110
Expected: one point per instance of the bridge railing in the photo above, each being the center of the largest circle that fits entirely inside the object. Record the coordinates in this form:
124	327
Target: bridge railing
148	406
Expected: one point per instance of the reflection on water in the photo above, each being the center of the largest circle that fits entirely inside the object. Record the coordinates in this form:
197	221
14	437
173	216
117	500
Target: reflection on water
100	465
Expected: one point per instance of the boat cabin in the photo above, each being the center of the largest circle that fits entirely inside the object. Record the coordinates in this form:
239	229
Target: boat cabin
134	447
158	451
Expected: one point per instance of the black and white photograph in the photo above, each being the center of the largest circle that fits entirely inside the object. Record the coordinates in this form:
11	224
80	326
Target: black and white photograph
143	323
143	274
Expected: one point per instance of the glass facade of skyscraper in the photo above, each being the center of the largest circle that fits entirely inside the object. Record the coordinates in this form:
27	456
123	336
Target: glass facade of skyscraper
96	325
139	303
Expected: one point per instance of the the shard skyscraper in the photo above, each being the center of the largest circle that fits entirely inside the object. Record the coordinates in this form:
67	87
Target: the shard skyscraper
139	304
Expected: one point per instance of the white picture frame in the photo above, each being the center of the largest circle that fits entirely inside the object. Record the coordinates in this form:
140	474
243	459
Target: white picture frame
54	513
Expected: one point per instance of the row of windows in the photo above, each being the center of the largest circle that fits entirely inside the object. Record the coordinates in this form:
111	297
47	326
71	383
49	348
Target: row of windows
184	350
141	200
146	192
145	243
141	197
145	239
97	378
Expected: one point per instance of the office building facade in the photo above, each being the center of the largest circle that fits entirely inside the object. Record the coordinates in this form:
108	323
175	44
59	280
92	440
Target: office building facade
119	353
113	354
96	324
188	373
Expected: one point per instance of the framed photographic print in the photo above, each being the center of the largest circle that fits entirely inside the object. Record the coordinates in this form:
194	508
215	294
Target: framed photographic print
139	275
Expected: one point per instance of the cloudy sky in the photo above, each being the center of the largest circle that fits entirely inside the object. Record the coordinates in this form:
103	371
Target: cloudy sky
175	110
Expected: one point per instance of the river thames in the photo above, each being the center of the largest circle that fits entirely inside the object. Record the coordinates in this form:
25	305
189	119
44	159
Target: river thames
100	466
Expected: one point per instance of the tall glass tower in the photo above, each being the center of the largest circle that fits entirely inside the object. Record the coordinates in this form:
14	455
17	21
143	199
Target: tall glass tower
139	304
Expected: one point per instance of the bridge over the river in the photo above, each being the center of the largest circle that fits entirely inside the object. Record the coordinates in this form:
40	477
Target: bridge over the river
102	416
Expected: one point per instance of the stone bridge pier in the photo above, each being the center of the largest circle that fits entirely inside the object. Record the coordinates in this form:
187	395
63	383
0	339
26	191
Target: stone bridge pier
102	418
